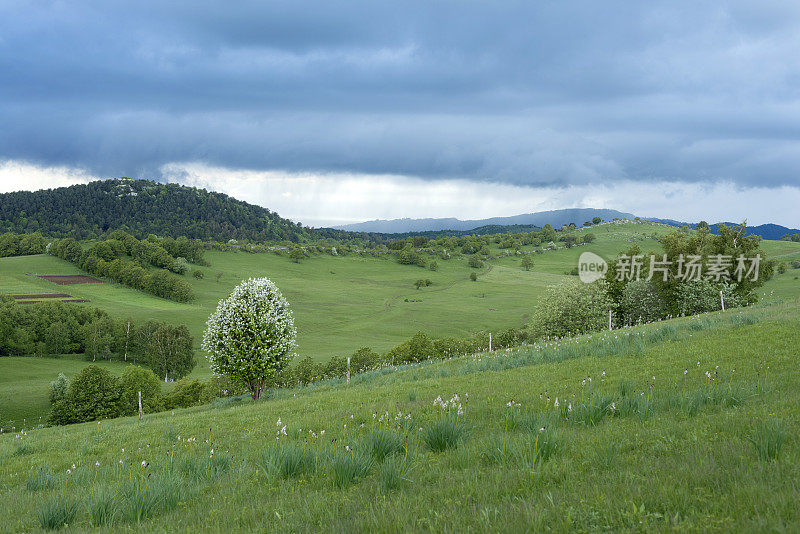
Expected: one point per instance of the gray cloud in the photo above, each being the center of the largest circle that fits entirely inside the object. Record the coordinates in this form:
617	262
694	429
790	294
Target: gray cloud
542	93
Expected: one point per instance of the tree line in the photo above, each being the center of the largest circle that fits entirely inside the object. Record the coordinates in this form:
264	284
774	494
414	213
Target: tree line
58	328
107	259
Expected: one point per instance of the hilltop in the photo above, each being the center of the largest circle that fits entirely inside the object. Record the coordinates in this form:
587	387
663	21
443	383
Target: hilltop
143	207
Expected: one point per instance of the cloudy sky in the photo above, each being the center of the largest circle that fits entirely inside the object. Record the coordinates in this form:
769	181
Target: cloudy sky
341	111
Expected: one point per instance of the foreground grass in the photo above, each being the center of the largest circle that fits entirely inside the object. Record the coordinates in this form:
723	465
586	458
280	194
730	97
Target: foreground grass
701	436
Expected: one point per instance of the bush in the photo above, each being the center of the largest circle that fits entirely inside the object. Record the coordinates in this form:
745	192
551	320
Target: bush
59	388
93	394
364	359
135	379
473	276
475	262
700	296
571	308
198	274
641	303
188	393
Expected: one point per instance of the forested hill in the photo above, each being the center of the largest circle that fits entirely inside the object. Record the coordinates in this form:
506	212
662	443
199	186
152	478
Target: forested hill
143	207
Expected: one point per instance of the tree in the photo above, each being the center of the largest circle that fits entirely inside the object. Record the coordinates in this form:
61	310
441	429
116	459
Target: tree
251	334
527	262
296	254
171	353
133	380
596	220
473	276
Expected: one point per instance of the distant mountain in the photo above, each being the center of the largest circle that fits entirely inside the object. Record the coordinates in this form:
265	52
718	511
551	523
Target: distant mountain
766	231
556	218
143	207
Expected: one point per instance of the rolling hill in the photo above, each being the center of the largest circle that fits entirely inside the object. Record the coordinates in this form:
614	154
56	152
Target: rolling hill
555	218
144	207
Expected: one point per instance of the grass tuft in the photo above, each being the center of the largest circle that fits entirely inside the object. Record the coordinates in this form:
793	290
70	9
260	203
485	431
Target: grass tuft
349	468
444	434
382	443
41	478
768	440
55	513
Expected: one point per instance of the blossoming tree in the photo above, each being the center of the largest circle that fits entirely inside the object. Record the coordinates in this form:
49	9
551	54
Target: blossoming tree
251	334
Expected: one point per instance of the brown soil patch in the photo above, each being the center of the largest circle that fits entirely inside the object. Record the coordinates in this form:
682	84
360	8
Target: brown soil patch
41	296
66	280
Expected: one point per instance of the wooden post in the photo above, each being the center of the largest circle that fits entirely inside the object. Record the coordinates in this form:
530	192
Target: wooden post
722	300
609	320
490	342
140	406
348	370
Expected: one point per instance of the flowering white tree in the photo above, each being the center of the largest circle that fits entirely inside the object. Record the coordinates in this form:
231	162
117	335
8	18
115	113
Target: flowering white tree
251	335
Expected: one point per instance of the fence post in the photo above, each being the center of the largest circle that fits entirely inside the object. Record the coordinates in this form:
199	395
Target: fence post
609	320
140	406
490	342
348	370
722	300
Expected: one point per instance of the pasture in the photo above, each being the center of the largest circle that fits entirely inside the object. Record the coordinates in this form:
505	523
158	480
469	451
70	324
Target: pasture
683	425
346	302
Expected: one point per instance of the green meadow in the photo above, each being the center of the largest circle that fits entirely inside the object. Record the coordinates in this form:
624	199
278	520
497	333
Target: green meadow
683	425
340	303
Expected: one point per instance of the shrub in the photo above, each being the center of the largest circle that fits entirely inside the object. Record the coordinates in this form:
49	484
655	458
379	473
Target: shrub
475	262
251	334
364	359
641	303
700	296
198	274
473	276
571	308
58	388
135	379
187	393
93	394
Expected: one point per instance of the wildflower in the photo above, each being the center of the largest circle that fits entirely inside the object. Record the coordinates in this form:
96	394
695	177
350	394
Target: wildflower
685	371
97	464
555	404
279	422
569	408
73	466
347	448
144	463
69	472
283	430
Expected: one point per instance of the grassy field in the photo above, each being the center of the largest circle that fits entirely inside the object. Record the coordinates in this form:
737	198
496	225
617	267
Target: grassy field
683	425
24	401
340	303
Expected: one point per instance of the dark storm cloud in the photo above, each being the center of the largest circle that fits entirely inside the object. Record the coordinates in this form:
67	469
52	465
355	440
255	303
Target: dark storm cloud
522	92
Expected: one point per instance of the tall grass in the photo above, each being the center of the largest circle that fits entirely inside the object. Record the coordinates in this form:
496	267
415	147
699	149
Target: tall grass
57	512
768	439
444	433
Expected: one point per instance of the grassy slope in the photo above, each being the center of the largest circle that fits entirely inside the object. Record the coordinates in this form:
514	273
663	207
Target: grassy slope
675	468
23	386
342	303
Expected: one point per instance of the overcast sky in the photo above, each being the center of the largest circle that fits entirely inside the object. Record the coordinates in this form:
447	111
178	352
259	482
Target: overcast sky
340	111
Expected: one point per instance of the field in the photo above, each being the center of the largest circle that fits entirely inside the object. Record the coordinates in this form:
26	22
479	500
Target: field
684	425
341	303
